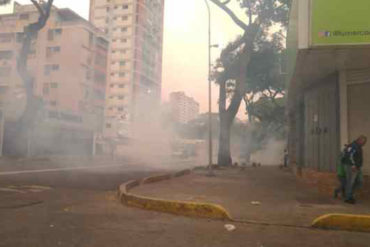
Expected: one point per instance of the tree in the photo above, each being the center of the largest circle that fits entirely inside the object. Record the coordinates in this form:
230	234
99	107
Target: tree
266	83
237	56
28	36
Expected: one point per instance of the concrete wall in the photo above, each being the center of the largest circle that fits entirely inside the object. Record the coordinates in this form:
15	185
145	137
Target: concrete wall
355	110
1	132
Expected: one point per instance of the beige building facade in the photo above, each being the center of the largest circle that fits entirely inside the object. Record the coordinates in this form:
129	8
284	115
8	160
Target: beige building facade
67	61
183	108
135	30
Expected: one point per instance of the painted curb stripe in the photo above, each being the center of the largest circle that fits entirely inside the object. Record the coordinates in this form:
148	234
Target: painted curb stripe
193	209
348	222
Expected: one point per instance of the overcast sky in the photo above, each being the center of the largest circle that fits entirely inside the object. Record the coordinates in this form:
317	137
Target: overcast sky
185	64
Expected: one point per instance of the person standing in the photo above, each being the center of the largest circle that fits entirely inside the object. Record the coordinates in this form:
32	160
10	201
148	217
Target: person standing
341	175
352	162
286	157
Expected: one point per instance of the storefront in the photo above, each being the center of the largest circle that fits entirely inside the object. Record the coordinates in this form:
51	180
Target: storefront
329	83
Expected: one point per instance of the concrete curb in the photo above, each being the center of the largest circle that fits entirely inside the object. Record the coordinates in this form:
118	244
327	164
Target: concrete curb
193	209
348	222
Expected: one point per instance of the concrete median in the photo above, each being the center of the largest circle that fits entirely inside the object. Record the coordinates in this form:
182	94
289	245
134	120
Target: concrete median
185	208
348	222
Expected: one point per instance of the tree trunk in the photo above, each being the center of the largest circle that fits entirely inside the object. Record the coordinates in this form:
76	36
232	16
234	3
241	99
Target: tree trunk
224	154
226	120
26	123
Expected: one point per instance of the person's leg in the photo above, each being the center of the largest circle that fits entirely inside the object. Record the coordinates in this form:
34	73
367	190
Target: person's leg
341	187
357	183
286	161
349	184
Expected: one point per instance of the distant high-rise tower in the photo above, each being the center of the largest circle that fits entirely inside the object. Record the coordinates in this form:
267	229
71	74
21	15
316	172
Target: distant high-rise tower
135	29
183	108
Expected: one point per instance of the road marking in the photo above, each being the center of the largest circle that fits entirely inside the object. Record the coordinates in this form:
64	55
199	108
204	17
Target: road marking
22	189
77	168
56	169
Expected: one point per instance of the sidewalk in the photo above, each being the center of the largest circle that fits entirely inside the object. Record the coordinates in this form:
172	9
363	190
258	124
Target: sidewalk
283	199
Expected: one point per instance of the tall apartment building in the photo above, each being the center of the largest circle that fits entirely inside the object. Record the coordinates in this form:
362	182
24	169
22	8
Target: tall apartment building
183	108
135	29
67	61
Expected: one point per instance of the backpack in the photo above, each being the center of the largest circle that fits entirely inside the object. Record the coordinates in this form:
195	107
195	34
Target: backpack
344	159
340	166
345	156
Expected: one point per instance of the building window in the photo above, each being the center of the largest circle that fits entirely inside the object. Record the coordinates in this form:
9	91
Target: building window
50	67
124	18
108	125
52	33
6	55
5	71
24	16
45	89
54	85
124	29
121	85
121	97
122	63
120	108
52	50
53	103
122	74
6	37
125	6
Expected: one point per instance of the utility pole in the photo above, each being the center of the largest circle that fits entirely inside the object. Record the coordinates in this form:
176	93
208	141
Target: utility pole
210	146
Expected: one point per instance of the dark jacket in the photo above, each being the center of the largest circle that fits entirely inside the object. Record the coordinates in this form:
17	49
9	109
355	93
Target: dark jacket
352	155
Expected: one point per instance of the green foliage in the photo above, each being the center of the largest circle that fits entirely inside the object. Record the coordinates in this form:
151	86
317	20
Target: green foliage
269	11
250	68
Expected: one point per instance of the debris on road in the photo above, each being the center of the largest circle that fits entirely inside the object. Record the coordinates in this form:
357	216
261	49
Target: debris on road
256	203
230	227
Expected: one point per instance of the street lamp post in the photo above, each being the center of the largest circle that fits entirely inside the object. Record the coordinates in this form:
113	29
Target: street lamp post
210	148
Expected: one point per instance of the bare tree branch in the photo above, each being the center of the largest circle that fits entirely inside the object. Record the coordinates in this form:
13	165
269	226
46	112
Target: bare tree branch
232	47
38	7
29	33
228	11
